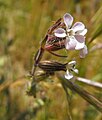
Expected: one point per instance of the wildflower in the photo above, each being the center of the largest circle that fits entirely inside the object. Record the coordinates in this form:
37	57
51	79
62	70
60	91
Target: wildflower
52	66
71	68
74	35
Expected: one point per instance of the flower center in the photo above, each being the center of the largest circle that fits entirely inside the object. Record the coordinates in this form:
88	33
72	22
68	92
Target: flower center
70	32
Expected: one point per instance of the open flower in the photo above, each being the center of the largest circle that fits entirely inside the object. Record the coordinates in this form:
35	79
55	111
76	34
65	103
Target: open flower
74	35
71	68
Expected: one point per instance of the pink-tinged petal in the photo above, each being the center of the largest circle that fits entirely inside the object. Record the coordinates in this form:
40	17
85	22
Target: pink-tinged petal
60	33
83	52
70	43
68	75
68	20
83	32
78	26
80	42
80	38
79	46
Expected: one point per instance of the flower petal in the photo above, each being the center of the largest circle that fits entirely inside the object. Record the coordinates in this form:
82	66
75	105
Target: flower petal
60	33
83	52
76	71
71	66
80	42
78	26
82	32
68	20
70	43
72	63
79	46
80	38
68	75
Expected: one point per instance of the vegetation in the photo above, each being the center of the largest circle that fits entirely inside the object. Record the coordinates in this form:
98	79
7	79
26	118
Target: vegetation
23	25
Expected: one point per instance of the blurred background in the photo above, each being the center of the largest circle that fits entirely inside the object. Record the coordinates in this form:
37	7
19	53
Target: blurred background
23	24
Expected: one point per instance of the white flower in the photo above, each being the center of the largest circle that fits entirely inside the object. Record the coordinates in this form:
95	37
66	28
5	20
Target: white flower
75	39
71	68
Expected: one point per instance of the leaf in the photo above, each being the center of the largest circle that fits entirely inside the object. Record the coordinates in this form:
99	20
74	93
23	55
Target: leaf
96	24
